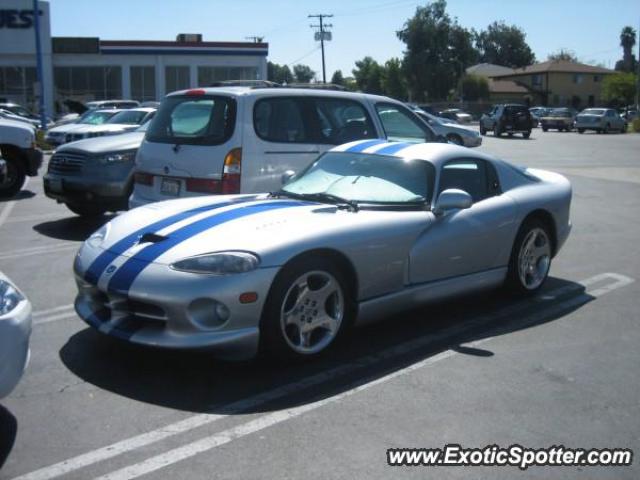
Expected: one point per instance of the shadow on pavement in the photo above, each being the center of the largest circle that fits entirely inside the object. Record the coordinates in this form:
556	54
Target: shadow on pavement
197	382
8	431
72	228
21	195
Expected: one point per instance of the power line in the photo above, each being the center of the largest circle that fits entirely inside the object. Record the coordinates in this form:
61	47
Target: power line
315	49
322	35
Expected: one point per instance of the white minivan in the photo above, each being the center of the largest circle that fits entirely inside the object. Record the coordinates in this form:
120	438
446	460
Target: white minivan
224	140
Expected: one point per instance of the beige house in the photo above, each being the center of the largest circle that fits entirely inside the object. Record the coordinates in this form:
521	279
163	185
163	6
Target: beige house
559	83
500	91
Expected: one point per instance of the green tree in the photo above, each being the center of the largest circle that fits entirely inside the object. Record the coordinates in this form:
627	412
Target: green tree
562	55
437	51
475	87
619	88
279	73
504	45
393	81
368	75
337	78
303	73
627	42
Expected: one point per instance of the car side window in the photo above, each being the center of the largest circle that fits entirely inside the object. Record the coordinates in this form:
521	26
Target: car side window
476	177
401	125
282	120
342	121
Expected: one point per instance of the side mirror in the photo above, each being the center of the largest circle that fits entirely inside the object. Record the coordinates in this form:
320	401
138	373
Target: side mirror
451	199
286	176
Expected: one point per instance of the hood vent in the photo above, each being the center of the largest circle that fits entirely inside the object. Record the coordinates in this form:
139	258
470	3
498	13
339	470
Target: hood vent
151	238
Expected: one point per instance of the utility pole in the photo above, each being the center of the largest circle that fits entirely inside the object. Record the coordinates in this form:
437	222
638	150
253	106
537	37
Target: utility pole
36	27
322	35
638	75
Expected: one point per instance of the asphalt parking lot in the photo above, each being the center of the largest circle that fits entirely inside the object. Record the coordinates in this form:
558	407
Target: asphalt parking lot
557	369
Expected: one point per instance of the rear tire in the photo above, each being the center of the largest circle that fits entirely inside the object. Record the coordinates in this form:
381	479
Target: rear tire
530	259
308	309
87	211
526	134
581	130
14	180
483	131
497	131
544	129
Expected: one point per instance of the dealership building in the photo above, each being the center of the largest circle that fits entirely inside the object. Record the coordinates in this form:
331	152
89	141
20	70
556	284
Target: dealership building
85	69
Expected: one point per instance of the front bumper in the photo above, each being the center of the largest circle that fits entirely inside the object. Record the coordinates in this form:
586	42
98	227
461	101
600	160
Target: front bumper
15	330
171	309
589	125
111	194
472	141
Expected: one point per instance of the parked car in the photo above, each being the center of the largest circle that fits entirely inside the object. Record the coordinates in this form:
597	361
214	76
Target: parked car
220	140
453	132
121	122
7	115
18	149
15	330
106	104
629	114
3	170
94	176
507	118
368	229
77	108
23	112
601	120
561	119
58	135
456	114
537	113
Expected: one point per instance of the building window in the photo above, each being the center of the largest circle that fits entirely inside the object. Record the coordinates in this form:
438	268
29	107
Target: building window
84	84
176	78
578	78
209	75
536	80
143	83
596	78
17	85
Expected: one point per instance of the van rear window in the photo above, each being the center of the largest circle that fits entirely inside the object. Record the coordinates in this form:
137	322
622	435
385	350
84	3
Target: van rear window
188	120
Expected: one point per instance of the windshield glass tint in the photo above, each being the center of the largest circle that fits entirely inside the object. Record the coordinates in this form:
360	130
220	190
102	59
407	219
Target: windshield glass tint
560	113
201	120
129	117
97	118
594	111
366	178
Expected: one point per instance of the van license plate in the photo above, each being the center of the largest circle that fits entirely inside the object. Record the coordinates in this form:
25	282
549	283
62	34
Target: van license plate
170	187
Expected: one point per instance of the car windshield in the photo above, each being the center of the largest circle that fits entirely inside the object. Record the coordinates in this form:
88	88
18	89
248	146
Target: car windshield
128	117
365	178
594	111
96	118
193	120
560	113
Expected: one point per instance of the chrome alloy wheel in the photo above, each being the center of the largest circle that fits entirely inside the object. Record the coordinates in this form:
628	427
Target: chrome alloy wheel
534	259
312	312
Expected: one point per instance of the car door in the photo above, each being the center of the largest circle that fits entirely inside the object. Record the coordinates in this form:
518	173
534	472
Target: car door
278	136
471	240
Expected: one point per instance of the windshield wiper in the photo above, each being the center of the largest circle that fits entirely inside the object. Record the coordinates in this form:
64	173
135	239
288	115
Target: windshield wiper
320	197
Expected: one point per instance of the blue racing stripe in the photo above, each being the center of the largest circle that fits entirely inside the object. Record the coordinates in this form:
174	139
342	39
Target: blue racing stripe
393	148
103	260
125	276
364	145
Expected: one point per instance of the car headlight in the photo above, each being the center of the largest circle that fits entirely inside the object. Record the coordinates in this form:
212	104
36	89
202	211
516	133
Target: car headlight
96	239
10	297
118	157
221	263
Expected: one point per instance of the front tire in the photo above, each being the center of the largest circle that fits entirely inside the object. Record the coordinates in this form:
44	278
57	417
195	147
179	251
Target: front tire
14	180
581	130
530	258
544	129
483	131
308	309
526	134
455	139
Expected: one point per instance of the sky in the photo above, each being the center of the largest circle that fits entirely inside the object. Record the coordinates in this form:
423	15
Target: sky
589	28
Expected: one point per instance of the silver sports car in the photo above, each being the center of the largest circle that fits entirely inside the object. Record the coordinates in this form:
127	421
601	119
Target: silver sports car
368	229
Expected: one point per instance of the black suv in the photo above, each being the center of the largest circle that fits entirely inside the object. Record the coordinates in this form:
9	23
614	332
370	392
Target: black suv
508	118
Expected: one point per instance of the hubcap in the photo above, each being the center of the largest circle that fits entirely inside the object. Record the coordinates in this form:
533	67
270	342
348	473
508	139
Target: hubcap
11	176
534	259
312	312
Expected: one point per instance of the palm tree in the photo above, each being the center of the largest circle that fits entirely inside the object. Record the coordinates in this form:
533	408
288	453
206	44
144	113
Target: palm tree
627	42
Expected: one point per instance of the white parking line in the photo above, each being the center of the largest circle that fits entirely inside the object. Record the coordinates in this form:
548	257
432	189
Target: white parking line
44	313
6	211
196	421
26	252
